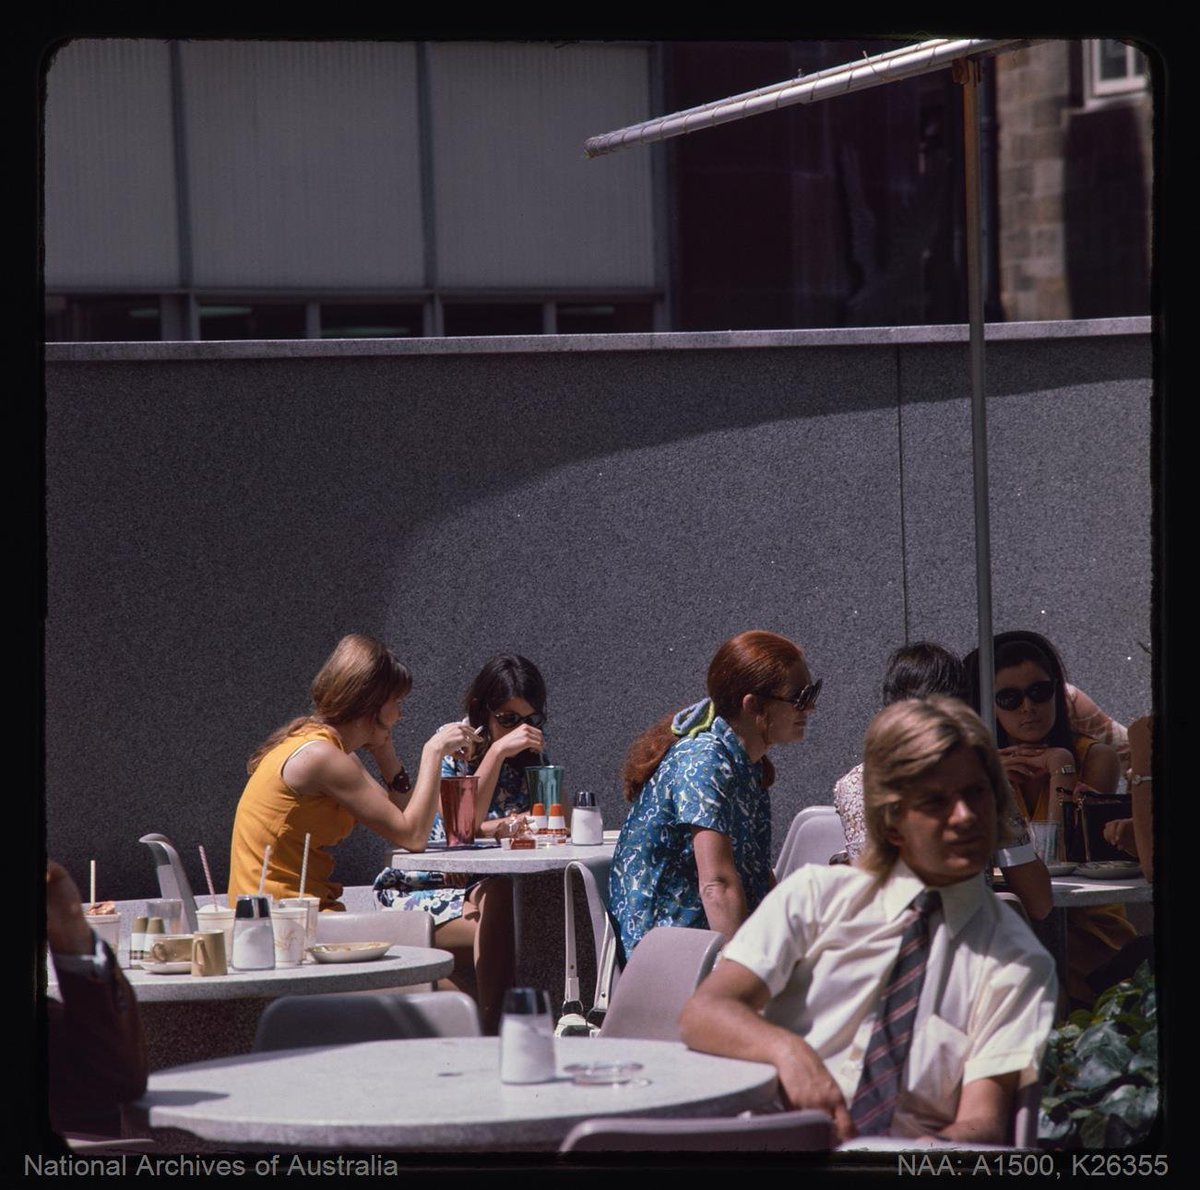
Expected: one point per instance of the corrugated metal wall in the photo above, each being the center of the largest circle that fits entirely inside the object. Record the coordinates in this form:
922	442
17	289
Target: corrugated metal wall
517	202
110	175
303	166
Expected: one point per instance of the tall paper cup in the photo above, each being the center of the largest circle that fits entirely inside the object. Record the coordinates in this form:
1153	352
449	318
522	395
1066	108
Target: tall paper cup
312	908
217	917
289	923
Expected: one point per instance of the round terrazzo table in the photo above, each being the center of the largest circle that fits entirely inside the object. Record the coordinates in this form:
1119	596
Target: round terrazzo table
502	861
191	1018
435	1095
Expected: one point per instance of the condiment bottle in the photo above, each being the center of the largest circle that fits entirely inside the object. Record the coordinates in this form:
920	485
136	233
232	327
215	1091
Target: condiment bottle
587	829
556	827
253	935
137	940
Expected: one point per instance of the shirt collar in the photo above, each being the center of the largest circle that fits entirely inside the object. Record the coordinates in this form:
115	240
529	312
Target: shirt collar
734	746
960	902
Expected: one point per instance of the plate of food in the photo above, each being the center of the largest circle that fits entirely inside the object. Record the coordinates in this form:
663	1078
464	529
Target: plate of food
348	952
1109	869
1060	869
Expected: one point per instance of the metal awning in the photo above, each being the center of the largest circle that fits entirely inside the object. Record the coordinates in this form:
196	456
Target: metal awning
908	62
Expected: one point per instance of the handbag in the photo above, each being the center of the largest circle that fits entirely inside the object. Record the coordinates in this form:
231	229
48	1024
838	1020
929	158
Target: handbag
1085	813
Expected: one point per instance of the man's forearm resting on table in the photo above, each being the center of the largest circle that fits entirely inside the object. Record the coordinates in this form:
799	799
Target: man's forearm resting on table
984	1111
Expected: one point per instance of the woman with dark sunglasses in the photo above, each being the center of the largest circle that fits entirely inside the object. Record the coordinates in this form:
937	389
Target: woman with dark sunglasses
506	706
1044	757
696	848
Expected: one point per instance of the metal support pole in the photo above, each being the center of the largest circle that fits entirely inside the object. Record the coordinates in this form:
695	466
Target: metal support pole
968	74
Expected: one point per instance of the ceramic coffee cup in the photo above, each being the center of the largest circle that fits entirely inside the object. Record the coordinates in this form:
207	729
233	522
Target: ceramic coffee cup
171	948
208	953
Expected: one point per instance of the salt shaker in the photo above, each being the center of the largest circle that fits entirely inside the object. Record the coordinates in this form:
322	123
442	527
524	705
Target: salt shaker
587	829
253	935
526	1037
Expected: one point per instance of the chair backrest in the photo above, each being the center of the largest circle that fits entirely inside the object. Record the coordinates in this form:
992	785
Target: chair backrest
300	1022
404	927
1025	1116
665	968
815	835
1014	903
792	1131
173	882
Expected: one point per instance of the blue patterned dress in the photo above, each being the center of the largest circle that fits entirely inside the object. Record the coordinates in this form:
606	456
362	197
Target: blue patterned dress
442	893
704	781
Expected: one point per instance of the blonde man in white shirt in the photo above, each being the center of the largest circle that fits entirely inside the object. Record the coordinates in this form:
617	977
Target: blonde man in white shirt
807	982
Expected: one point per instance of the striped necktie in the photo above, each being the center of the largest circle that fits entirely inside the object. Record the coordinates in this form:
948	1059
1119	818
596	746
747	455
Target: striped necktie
875	1100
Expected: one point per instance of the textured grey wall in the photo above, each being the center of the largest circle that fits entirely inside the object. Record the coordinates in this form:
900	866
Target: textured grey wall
219	515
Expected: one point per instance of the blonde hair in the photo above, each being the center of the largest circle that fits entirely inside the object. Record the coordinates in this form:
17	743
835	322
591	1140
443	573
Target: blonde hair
903	743
357	679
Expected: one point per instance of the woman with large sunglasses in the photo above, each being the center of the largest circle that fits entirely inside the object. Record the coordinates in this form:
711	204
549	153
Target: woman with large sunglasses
506	706
696	848
1045	756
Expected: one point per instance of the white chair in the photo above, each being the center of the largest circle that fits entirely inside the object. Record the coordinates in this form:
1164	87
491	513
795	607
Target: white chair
300	1022
813	838
791	1131
665	968
401	927
173	883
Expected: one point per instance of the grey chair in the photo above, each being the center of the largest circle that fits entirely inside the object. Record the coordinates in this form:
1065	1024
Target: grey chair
665	968
792	1132
300	1022
813	838
173	882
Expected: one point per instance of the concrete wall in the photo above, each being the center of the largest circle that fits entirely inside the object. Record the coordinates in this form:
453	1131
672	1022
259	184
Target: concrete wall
614	507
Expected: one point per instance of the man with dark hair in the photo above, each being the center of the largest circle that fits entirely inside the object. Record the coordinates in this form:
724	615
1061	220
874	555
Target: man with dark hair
900	995
922	670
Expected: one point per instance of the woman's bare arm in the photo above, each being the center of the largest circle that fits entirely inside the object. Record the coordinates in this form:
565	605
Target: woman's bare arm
322	767
721	890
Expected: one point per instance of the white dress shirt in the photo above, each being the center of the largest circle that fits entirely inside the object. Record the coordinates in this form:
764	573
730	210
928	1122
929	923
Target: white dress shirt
824	942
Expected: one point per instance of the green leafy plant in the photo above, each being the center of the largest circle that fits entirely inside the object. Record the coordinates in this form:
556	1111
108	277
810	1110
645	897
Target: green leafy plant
1100	1074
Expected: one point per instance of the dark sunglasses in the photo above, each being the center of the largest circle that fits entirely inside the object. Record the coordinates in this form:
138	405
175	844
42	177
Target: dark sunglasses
1012	697
512	719
805	700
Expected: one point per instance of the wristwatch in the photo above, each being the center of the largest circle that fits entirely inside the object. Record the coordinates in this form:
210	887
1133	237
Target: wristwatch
96	965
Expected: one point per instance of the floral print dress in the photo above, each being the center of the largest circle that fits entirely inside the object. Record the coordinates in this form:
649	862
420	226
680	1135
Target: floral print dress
442	893
707	781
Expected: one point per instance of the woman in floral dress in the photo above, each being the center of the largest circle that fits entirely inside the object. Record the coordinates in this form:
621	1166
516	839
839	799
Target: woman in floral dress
472	916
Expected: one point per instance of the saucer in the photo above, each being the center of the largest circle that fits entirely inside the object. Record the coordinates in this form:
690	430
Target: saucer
153	968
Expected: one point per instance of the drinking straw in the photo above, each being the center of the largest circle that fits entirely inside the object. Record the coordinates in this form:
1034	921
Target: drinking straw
212	892
262	880
93	880
304	862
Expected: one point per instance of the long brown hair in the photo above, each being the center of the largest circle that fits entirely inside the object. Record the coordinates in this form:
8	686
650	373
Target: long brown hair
359	677
750	663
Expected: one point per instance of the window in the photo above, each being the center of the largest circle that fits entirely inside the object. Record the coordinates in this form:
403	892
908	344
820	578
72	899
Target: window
107	319
384	320
1114	68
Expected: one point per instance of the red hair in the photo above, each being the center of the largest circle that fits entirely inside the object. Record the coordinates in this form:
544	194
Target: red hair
753	662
